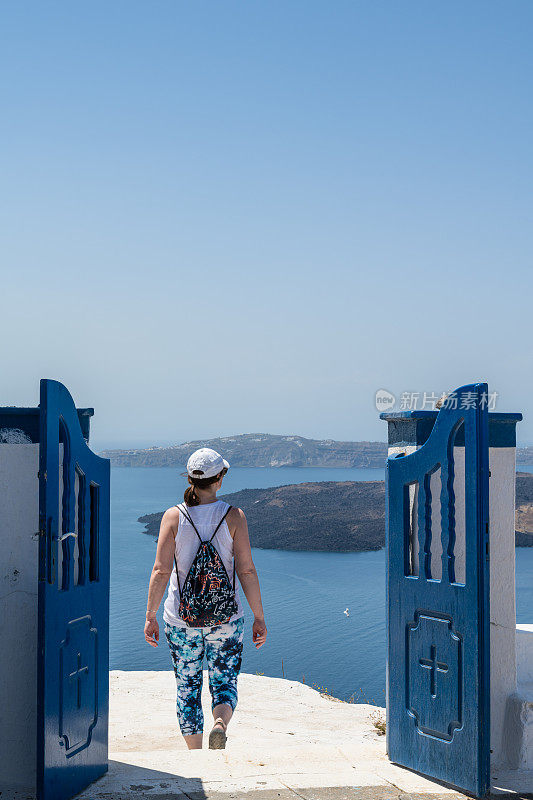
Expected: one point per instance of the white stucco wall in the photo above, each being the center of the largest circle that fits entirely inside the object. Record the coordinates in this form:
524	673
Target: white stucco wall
524	655
519	718
19	522
502	467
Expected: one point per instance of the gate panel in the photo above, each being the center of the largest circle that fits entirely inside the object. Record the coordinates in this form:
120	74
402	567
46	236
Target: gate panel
438	690
73	661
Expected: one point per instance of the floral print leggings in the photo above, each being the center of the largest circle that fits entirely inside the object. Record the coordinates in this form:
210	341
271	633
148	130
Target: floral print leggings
222	646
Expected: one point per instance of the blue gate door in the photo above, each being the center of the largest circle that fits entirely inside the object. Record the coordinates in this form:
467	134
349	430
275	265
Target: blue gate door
73	602
438	621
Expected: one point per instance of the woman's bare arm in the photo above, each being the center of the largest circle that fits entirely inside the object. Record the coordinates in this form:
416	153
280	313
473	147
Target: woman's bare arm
247	572
161	572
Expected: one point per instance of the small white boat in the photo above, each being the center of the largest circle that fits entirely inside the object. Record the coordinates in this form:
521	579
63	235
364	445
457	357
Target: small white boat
347	612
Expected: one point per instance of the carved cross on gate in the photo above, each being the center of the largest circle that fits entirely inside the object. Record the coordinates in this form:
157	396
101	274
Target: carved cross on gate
77	675
434	666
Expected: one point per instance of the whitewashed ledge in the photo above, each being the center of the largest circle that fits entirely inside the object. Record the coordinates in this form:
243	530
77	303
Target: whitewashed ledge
286	741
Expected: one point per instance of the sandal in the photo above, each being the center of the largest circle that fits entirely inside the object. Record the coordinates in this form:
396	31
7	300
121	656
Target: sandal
217	737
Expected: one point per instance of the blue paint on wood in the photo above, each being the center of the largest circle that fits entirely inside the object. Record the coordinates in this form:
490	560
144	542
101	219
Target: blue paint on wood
28	420
414	428
73	646
438	690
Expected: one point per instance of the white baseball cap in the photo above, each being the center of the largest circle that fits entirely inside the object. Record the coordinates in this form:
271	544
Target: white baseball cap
205	463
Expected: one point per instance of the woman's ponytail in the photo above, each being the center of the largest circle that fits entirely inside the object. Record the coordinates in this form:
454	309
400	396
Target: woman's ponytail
190	496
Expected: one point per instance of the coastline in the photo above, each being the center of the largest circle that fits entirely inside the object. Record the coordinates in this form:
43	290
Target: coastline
333	516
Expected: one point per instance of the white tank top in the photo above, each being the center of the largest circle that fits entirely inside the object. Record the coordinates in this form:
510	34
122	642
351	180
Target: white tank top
206	517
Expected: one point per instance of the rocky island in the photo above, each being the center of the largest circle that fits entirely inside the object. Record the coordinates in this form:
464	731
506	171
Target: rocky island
260	450
269	450
524	509
333	516
524	455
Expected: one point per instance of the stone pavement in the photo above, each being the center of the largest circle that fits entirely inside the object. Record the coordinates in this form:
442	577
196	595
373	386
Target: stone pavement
286	742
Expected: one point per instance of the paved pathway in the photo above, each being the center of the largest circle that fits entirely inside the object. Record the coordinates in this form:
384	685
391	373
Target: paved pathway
286	742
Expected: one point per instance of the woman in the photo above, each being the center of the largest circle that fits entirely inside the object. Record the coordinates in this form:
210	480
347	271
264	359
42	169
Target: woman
183	531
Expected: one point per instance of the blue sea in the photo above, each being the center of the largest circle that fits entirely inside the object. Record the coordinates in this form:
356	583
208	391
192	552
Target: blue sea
304	594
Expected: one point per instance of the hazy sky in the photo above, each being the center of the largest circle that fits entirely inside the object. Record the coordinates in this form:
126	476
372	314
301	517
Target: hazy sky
224	217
